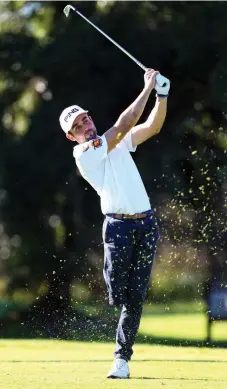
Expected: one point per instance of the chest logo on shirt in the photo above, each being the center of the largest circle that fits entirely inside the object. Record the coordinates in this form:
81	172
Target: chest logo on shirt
97	143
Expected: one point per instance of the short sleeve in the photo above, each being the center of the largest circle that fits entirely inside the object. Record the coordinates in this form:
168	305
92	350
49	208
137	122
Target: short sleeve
90	154
128	142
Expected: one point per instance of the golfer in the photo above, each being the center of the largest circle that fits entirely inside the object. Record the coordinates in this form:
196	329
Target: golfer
130	230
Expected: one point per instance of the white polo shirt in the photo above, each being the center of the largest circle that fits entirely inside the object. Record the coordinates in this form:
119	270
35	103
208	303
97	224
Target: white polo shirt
113	175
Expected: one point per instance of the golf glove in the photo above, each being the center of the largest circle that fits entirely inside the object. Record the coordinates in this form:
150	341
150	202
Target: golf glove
162	85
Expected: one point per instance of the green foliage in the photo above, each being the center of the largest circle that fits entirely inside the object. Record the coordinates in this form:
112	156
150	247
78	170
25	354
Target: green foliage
50	218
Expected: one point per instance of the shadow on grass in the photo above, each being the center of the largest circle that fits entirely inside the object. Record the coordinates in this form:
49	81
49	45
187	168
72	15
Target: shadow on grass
111	360
167	341
90	329
177	379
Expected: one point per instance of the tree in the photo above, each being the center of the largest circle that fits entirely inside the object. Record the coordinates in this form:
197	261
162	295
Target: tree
51	223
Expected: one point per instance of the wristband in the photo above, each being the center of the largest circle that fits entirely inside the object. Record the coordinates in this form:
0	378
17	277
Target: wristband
159	95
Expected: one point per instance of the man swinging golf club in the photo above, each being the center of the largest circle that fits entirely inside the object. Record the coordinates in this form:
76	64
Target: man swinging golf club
130	230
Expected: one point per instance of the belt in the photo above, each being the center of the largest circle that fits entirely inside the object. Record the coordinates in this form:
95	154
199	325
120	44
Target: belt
125	216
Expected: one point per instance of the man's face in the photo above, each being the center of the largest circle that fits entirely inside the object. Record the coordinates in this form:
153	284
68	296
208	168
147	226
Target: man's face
83	129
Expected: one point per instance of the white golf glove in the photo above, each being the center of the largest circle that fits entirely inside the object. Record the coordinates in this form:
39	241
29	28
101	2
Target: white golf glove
162	85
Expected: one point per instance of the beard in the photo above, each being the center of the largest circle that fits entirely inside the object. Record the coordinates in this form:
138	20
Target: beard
90	134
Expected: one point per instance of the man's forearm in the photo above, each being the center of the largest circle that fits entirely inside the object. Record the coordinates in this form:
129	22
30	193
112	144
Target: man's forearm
152	125
157	116
132	114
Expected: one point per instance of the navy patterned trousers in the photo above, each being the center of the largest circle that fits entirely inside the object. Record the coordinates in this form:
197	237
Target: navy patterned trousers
129	250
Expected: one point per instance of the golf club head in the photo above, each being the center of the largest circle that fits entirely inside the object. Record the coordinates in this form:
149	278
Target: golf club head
67	9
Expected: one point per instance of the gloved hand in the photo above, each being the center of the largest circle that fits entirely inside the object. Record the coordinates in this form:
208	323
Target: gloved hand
162	85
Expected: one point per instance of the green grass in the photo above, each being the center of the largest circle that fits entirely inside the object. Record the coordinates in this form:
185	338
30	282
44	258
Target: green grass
191	327
41	364
45	364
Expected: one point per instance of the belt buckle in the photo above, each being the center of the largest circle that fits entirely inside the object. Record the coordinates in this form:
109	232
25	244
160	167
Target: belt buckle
133	217
125	216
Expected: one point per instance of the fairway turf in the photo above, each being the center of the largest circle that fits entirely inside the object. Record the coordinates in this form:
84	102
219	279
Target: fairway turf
189	326
45	364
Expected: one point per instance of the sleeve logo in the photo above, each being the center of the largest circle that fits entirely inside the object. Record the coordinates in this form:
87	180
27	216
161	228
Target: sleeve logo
85	147
97	143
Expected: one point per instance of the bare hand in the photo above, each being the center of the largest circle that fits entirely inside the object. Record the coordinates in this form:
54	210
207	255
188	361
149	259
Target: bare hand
150	78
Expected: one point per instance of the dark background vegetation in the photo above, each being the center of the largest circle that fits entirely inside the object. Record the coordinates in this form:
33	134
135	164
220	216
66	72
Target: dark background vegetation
50	219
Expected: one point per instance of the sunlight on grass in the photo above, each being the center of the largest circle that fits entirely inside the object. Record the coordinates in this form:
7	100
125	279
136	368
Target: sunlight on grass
56	364
182	326
52	364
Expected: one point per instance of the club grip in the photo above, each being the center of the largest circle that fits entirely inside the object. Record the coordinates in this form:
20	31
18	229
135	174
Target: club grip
161	80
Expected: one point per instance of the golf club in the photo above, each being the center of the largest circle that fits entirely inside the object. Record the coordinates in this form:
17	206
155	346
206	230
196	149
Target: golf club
159	78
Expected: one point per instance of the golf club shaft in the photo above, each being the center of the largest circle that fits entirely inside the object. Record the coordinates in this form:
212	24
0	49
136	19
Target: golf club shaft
111	40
